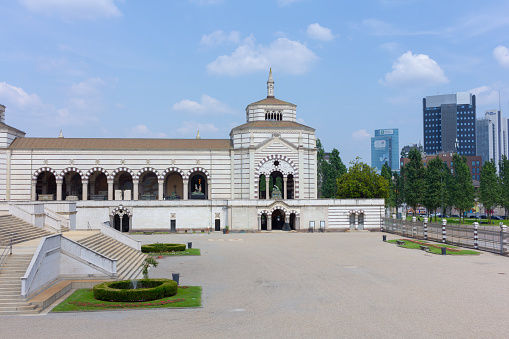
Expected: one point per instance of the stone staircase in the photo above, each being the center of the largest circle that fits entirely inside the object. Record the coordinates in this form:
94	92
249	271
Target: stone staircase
11	271
18	230
129	260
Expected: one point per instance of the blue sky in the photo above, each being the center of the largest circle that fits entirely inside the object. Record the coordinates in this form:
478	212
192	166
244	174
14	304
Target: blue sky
108	68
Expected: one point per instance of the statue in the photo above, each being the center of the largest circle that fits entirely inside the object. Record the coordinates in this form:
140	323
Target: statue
276	193
197	188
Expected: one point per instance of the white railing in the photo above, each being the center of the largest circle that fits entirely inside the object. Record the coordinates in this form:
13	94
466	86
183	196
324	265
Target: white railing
55	221
49	247
46	265
119	236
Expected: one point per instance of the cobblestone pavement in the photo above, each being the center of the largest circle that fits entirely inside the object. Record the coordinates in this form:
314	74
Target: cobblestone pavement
293	285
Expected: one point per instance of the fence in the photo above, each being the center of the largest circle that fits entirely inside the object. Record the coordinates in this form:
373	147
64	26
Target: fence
485	238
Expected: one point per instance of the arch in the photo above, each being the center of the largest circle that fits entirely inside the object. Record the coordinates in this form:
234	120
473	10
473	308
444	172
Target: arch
148	185
45	184
44	169
120	210
173	181
121	219
198	187
198	169
278	207
352	221
121	169
279	218
70	169
144	170
173	169
361	219
93	170
266	164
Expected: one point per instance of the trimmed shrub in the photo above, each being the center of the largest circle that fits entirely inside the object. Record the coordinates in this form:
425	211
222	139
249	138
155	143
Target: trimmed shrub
158	247
149	289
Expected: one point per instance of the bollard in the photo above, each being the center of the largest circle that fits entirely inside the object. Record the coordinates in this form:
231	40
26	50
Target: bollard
175	277
476	237
444	250
384	237
189	245
425	228
414	228
503	239
444	222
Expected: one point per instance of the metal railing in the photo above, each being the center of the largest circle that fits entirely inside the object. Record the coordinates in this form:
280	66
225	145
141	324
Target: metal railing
484	238
7	251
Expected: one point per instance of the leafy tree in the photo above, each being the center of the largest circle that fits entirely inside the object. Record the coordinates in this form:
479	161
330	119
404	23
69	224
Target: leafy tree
387	174
328	171
504	182
398	190
489	191
414	179
362	182
448	180
463	189
434	185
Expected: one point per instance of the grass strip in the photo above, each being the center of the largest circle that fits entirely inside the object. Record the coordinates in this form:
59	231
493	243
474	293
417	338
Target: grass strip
434	248
187	251
83	300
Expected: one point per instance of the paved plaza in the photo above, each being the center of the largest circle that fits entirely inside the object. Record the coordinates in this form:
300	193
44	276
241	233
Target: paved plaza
300	285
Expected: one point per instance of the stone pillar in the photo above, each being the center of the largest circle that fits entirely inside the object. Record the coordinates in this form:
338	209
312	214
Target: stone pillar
444	222
209	189
259	223
136	184
269	223
297	222
185	189
110	189
414	227
476	236
503	239
267	188
160	190
59	189
425	228
84	190
34	192
285	185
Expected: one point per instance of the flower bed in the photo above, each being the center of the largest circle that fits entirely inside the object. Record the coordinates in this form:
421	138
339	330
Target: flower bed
158	248
151	289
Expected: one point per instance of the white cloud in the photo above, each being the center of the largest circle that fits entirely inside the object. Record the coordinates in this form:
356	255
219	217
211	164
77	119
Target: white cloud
317	32
282	54
74	9
219	37
361	134
142	131
208	105
87	87
501	54
489	95
189	129
16	96
414	70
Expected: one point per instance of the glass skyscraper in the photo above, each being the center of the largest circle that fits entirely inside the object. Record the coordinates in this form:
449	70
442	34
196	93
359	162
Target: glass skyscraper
385	148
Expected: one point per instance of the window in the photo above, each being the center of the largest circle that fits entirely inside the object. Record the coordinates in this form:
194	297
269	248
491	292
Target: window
473	163
477	162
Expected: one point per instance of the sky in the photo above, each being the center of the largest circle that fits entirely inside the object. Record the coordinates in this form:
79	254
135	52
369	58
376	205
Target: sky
166	69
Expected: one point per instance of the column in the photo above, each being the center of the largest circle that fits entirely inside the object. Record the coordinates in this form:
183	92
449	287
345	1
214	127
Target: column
185	190
269	223
160	190
285	185
59	189
209	189
84	190
503	239
34	195
259	223
267	190
110	189
297	222
136	183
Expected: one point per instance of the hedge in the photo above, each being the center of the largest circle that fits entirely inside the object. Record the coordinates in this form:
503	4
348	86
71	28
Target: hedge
158	247
151	289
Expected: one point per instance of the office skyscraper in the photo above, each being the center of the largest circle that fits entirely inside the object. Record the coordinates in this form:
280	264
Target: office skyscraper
385	148
449	123
492	138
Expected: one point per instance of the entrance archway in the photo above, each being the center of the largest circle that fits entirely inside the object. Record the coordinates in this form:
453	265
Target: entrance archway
71	185
148	186
352	221
278	219
121	219
198	186
263	226
46	186
173	183
292	221
124	182
98	186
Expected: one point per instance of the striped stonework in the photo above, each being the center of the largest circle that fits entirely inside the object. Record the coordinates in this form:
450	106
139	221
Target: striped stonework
95	169
121	169
144	170
173	170
70	169
44	169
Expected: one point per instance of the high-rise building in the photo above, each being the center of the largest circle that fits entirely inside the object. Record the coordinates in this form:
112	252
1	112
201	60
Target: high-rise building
449	123
492	136
385	148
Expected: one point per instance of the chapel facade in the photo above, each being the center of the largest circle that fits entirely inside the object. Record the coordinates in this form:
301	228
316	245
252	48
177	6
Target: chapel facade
264	177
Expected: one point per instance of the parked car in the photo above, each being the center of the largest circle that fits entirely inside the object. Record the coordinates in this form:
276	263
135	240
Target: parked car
496	217
455	216
474	217
484	217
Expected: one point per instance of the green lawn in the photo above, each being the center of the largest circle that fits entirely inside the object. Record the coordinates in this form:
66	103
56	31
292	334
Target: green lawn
466	221
187	296
187	251
434	248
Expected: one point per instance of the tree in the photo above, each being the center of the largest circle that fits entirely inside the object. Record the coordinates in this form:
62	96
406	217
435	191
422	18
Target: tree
387	174
328	171
463	188
504	182
434	185
448	180
398	190
489	191
414	179
362	182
